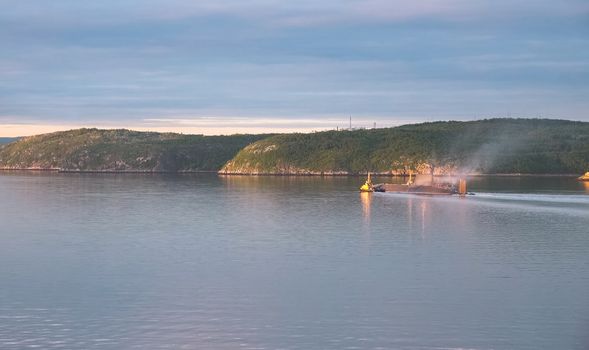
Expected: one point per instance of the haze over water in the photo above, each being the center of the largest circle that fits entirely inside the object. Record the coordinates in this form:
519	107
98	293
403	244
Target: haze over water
207	262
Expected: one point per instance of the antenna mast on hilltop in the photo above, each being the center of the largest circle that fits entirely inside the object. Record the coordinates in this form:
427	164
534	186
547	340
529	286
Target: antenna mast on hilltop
350	122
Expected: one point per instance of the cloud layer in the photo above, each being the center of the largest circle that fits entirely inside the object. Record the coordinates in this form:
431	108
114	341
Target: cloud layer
129	62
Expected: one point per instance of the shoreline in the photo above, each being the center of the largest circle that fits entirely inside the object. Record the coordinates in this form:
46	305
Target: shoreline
180	172
404	175
68	171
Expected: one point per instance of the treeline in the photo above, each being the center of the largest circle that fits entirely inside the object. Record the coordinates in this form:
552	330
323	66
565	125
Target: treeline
529	146
123	150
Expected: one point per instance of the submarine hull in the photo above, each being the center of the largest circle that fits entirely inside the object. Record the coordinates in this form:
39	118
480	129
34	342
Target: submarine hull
415	189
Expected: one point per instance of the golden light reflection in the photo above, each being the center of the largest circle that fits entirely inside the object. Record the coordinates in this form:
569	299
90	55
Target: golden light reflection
410	212
239	182
586	185
423	216
417	214
366	198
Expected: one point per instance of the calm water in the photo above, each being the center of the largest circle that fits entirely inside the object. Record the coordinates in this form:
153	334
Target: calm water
206	262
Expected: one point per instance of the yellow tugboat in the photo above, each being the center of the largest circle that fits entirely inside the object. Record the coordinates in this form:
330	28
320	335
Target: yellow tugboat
367	187
585	177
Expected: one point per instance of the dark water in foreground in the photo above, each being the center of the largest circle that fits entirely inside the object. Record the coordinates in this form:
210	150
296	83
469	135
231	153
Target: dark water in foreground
206	262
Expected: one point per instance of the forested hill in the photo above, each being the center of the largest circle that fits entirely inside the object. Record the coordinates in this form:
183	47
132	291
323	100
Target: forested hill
122	150
530	146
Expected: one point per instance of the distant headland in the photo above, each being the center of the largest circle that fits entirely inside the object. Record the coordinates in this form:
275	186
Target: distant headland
491	146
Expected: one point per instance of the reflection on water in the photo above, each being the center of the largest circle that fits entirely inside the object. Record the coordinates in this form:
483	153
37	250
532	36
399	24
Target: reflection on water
423	213
207	262
586	185
366	199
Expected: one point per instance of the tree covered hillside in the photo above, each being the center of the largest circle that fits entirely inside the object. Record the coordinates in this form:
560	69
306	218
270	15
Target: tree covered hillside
122	150
487	146
531	146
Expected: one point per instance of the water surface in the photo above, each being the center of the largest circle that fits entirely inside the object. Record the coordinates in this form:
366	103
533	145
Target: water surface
207	262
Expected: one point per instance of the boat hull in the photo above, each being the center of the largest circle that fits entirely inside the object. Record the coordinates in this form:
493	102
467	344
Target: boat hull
416	189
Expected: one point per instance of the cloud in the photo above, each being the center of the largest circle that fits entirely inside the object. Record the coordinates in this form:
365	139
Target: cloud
280	12
130	62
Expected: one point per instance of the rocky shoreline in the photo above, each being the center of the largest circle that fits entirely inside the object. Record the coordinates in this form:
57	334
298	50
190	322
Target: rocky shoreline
302	174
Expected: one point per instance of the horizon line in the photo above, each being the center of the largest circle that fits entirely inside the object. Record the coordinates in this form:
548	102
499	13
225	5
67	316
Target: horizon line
208	129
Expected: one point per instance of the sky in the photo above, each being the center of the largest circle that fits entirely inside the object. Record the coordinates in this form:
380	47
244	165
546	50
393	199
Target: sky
248	66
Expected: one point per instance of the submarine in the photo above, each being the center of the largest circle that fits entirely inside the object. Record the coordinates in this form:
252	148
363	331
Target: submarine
434	189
